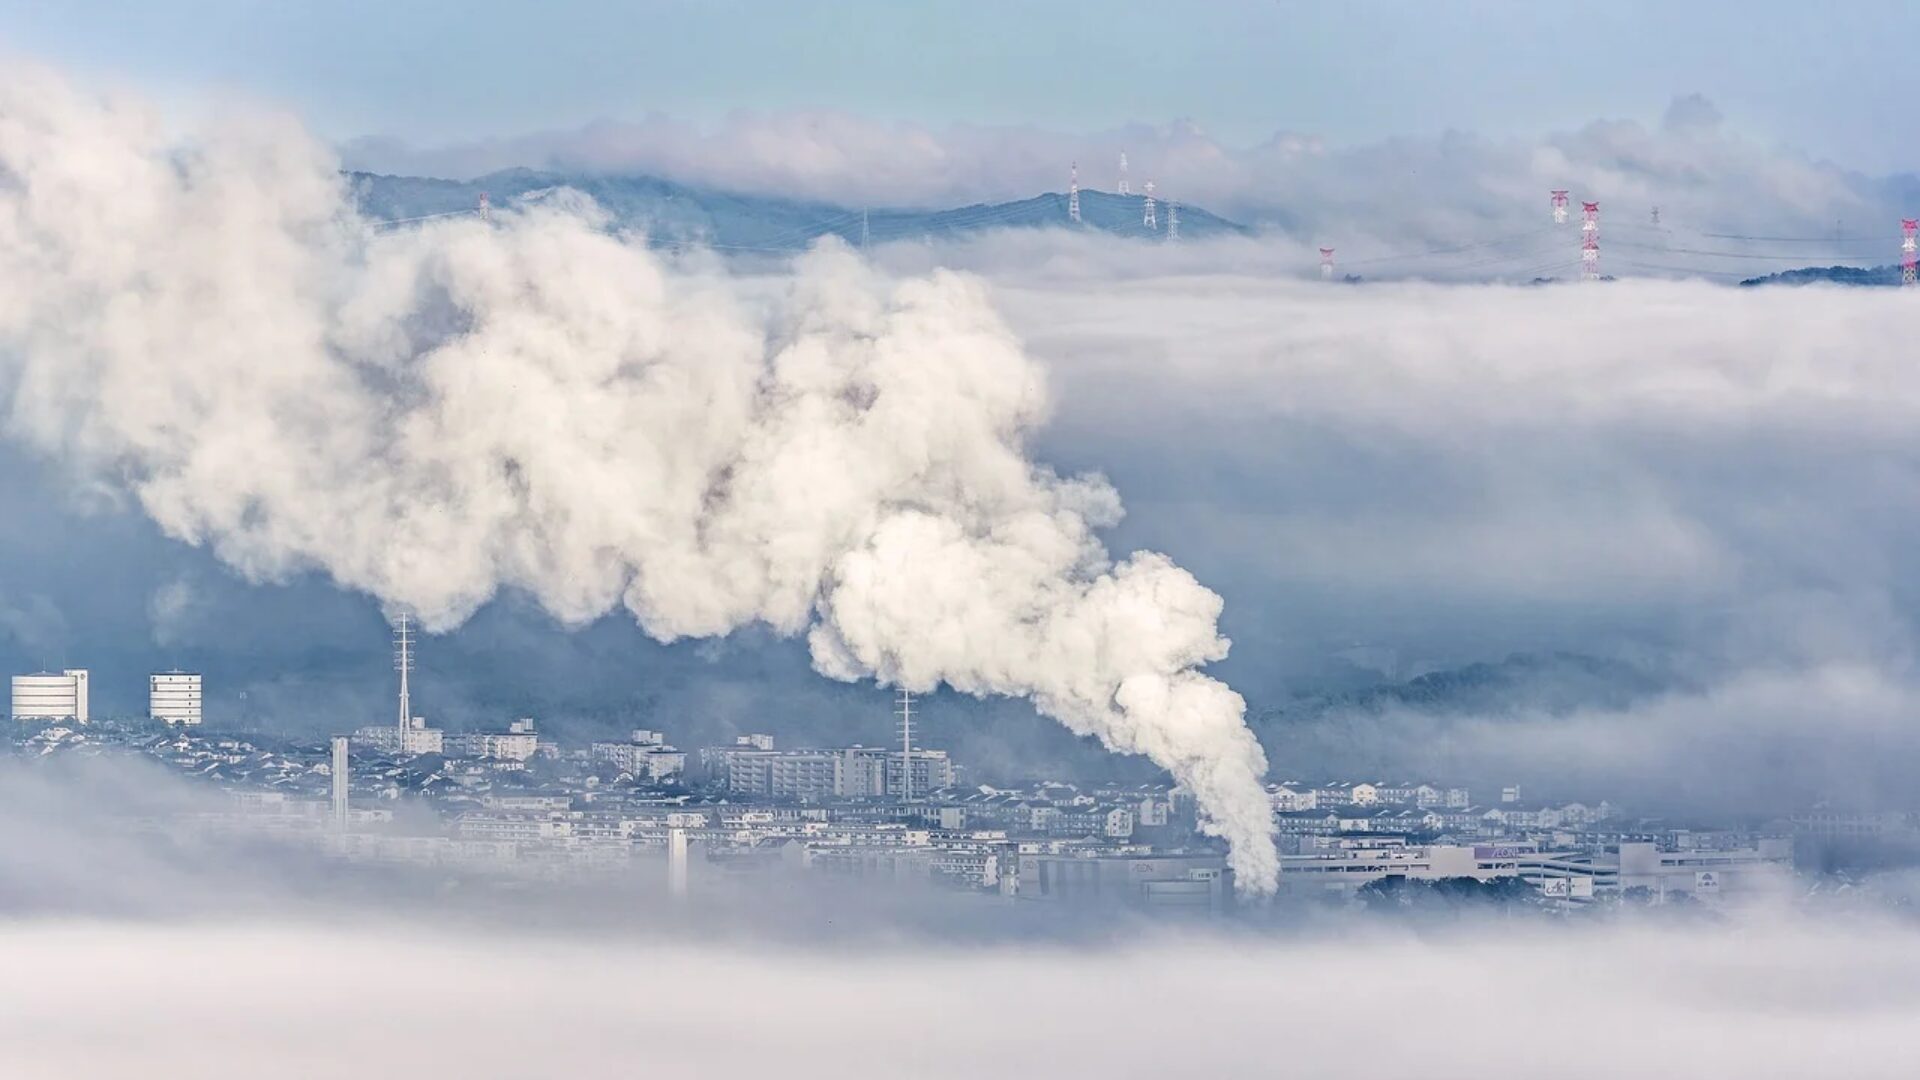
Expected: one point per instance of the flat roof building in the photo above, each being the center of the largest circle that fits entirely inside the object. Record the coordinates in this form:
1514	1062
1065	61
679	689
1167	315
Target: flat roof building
174	697
49	696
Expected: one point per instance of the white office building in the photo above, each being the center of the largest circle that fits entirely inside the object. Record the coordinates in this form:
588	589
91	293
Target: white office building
49	696
646	754
518	743
416	738
174	696
851	772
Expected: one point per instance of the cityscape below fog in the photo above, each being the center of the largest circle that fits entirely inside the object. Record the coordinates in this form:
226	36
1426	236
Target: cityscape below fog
511	804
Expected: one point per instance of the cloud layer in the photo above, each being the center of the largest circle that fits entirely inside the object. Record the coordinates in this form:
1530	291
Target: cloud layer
1768	998
1711	485
1401	197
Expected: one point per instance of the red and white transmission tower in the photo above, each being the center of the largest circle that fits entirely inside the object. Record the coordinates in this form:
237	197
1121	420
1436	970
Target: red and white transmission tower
1559	207
1124	188
1589	241
1147	218
1908	226
1073	195
1326	264
485	208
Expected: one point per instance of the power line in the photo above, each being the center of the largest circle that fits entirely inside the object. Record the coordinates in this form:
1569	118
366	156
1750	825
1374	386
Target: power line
1833	240
1536	271
1688	271
387	223
1511	256
1452	250
1796	239
1714	254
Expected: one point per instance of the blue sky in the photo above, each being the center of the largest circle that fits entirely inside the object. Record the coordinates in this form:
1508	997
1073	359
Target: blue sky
1827	78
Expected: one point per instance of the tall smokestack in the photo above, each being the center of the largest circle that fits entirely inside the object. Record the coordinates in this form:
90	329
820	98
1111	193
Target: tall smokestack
905	705
341	782
677	862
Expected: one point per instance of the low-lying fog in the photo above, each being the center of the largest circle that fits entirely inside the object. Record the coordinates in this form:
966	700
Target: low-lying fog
141	950
1776	997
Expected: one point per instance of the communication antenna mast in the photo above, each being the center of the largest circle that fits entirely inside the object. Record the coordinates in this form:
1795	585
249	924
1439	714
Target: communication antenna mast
1173	222
1125	188
904	703
1073	195
403	663
1326	264
1147	218
485	208
1590	241
1907	259
1559	206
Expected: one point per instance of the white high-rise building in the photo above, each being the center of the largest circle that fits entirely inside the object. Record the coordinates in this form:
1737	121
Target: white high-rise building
47	696
174	696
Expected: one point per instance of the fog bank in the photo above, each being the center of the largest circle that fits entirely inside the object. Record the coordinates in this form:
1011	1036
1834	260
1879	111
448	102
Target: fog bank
1770	999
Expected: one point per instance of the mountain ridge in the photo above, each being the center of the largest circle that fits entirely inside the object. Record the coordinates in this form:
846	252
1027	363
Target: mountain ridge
673	213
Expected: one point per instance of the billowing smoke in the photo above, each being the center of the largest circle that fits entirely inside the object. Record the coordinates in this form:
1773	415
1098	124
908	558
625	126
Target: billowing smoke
437	414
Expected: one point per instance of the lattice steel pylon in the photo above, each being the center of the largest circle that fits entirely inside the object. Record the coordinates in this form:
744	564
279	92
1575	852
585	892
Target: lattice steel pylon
1908	226
1590	241
904	705
1073	195
403	663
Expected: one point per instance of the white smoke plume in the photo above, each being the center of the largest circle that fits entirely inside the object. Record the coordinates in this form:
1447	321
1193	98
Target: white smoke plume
438	414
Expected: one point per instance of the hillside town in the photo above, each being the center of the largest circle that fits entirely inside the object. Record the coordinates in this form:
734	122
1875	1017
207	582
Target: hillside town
515	804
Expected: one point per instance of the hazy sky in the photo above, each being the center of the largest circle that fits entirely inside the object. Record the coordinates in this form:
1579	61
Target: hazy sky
1827	78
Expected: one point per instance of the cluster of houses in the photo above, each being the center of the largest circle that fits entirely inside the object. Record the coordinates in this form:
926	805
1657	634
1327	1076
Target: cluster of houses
1346	806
